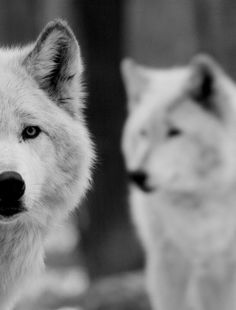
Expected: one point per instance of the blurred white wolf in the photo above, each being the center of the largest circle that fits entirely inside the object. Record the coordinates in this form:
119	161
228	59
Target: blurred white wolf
179	144
45	150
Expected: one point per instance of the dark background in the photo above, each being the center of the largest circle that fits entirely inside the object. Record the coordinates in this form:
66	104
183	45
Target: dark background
157	33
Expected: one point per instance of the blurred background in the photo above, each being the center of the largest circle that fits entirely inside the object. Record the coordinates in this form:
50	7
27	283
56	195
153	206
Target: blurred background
99	240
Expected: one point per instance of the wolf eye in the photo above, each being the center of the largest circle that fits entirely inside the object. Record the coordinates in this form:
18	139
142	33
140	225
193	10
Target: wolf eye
31	132
173	132
143	133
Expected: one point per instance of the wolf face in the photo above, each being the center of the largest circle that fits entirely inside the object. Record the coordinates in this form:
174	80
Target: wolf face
45	150
43	140
178	135
179	148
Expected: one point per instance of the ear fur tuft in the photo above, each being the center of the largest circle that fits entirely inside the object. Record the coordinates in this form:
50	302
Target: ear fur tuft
203	80
135	80
55	62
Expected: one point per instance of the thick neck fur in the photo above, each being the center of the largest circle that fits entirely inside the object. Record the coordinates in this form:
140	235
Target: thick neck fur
21	257
200	225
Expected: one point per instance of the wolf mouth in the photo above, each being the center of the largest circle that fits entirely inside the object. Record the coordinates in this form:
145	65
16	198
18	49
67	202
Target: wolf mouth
146	188
10	208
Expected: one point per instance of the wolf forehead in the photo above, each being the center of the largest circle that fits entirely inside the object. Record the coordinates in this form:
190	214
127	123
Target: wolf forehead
21	98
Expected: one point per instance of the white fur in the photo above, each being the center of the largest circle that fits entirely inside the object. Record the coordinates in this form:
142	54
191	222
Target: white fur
187	223
55	165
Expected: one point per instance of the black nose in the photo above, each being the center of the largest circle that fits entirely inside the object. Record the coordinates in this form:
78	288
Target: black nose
12	186
138	177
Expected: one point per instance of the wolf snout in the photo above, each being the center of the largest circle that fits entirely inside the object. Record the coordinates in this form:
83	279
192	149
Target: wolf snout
12	186
140	179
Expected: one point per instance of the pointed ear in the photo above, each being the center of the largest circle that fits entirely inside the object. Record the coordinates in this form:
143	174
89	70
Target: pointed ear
55	64
203	84
135	81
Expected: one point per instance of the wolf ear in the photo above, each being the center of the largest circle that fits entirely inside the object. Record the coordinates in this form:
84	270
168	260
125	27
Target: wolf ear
55	63
203	83
135	81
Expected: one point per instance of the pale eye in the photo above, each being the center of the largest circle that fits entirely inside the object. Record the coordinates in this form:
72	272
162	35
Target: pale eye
31	132
143	133
173	132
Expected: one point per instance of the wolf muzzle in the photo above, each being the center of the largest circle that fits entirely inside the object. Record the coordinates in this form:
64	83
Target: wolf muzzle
12	188
139	178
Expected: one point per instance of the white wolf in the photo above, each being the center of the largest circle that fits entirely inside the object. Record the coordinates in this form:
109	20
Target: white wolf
45	150
179	144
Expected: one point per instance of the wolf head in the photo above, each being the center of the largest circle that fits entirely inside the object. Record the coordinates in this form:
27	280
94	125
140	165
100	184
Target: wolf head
180	131
45	149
